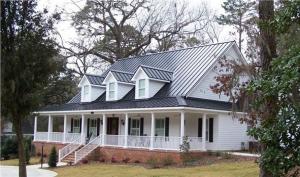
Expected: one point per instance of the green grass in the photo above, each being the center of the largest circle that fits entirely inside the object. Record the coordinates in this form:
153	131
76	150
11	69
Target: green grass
15	162
232	169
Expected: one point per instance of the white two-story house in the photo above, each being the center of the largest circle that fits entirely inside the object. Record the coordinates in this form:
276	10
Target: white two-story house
145	105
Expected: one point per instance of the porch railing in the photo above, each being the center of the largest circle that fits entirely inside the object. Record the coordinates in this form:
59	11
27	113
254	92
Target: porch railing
69	148
41	136
168	143
85	150
70	137
56	136
195	143
114	140
139	141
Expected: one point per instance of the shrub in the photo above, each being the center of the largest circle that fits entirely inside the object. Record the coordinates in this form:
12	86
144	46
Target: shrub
137	161
27	153
126	160
113	160
226	155
52	162
153	162
102	160
185	154
168	160
84	161
38	154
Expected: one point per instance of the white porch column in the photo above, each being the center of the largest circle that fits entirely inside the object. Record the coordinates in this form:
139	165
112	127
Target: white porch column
65	128
152	131
50	127
126	130
204	132
35	128
82	129
103	129
182	117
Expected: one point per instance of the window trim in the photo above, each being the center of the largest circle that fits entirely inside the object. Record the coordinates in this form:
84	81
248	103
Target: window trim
141	88
111	90
76	127
131	126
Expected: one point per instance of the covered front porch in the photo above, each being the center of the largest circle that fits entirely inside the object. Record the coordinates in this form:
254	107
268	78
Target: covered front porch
160	130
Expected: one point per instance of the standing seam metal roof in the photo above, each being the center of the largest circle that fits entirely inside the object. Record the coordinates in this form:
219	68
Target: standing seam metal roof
188	65
95	80
122	76
157	73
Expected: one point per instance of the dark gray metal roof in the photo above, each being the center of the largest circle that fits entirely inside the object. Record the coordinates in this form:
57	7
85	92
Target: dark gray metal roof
157	73
95	80
129	101
188	65
122	76
76	98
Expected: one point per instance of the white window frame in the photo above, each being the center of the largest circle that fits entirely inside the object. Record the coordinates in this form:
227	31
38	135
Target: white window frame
76	128
160	129
111	90
137	129
143	88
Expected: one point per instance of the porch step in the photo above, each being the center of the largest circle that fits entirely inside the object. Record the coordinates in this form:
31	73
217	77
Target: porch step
71	157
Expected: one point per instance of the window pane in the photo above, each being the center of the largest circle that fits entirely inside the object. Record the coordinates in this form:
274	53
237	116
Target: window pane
141	92
160	127
142	83
111	86
86	90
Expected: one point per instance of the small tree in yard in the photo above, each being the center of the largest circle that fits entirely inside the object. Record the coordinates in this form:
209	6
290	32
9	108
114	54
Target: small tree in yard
185	150
52	162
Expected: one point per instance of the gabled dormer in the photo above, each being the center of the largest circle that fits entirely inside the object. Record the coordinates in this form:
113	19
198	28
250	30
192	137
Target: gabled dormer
149	80
91	87
118	84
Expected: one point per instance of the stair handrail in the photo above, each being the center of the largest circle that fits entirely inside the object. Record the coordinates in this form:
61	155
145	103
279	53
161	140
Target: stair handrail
68	149
92	145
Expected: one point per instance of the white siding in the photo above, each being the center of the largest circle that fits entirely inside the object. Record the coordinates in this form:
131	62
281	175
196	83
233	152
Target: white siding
96	92
122	90
230	133
154	87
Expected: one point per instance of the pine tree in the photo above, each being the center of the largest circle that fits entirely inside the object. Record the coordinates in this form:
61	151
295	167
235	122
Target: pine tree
237	14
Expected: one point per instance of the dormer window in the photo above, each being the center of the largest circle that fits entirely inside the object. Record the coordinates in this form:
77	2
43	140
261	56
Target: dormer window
86	90
142	88
111	91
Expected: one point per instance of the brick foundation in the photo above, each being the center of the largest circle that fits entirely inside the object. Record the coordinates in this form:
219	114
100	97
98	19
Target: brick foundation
141	155
47	146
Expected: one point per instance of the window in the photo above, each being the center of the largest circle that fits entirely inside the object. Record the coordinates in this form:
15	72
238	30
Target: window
111	91
142	88
76	125
159	127
135	127
86	90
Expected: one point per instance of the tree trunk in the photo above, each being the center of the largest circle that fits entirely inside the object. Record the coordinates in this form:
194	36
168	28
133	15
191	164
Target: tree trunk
21	151
267	53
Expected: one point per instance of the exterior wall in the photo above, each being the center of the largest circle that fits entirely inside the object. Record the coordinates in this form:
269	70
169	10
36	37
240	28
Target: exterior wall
47	147
122	90
96	92
154	87
203	90
231	133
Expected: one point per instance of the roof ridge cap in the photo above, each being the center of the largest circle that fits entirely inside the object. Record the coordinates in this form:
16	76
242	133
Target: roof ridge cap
118	71
93	75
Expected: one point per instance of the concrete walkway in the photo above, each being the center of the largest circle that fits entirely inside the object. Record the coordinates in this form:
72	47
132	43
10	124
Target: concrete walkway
32	171
244	154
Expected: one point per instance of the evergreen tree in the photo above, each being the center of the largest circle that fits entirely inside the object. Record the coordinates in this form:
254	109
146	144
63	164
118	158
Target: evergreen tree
237	14
27	63
52	162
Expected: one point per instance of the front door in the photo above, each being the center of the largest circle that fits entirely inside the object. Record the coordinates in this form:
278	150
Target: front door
113	126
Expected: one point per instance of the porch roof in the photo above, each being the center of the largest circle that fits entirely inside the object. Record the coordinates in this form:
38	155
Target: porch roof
157	101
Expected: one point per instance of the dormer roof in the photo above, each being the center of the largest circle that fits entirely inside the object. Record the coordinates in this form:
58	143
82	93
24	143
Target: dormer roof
95	80
120	76
156	73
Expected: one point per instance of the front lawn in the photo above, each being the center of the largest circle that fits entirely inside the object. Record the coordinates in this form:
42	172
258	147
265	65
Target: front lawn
15	162
231	169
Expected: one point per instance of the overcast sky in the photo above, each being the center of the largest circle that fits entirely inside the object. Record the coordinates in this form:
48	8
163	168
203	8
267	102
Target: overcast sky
68	33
